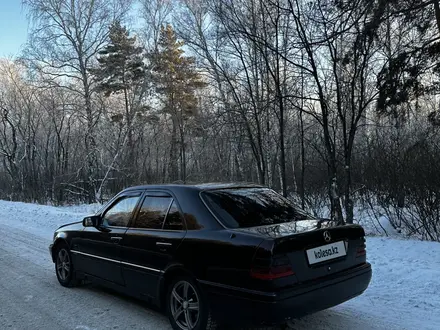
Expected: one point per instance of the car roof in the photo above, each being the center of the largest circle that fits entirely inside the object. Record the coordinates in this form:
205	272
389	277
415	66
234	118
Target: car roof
197	187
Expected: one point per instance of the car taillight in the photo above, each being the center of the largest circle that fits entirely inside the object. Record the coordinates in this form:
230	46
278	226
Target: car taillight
272	273
360	251
274	268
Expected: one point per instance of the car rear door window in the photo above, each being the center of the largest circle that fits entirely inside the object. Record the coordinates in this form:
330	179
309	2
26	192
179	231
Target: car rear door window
174	220
152	212
119	214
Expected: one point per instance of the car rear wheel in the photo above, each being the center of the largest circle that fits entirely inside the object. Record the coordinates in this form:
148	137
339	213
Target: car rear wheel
64	267
186	306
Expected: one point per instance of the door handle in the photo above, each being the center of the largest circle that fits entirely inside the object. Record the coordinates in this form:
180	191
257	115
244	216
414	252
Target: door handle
163	244
115	239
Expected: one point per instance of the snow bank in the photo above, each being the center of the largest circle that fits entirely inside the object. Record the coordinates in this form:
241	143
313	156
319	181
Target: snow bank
405	284
375	224
42	219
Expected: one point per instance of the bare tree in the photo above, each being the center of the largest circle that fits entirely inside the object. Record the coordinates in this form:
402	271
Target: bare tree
63	45
155	13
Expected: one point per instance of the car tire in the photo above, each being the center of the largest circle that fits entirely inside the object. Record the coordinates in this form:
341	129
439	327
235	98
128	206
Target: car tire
64	268
187	307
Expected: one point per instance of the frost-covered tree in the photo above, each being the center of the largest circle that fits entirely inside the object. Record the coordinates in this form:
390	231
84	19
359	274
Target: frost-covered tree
63	46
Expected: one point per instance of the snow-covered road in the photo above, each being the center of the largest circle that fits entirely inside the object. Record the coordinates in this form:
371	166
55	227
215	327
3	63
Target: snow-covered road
404	293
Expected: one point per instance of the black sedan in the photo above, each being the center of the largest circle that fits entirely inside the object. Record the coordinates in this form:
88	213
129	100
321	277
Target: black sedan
211	254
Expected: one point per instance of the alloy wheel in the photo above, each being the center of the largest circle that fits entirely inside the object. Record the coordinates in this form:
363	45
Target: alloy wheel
63	264
184	305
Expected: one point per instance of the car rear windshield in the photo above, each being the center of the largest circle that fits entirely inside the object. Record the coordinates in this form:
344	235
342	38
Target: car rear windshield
251	207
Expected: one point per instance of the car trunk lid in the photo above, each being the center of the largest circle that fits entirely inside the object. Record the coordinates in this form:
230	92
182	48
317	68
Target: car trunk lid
315	248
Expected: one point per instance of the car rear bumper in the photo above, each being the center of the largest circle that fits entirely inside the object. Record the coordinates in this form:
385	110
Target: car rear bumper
248	306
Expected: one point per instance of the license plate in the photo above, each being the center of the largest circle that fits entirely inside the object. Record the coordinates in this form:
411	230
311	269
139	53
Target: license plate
326	252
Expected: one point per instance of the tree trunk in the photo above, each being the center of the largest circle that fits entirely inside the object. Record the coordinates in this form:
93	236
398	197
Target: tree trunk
303	162
182	153
348	201
173	165
129	124
335	204
90	144
282	150
437	13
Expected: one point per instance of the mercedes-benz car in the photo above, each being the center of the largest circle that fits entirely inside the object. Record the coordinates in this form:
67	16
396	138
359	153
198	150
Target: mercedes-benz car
214	253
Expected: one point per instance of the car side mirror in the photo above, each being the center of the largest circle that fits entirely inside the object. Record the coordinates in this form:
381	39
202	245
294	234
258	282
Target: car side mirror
91	221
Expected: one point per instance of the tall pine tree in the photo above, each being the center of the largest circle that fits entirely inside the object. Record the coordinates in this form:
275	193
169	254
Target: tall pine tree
177	80
121	70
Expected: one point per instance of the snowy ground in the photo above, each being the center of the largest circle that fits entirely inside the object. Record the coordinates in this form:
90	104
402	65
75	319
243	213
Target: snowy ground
404	293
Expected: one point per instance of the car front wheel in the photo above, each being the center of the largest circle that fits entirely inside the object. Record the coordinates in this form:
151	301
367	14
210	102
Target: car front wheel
64	267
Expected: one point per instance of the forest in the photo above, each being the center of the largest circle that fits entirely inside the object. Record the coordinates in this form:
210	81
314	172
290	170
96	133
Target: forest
332	103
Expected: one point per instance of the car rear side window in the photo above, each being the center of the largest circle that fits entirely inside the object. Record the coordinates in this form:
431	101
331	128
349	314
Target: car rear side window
152	212
251	207
174	220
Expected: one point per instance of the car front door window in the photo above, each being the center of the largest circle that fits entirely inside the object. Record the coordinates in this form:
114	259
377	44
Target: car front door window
119	214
